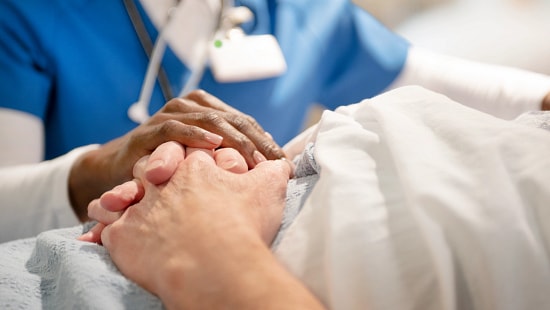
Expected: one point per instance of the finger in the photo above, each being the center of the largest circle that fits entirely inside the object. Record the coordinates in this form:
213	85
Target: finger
244	123
196	158
279	170
163	162
230	160
175	127
122	196
193	152
93	235
239	131
215	122
106	238
232	137
100	214
205	99
139	167
263	142
291	166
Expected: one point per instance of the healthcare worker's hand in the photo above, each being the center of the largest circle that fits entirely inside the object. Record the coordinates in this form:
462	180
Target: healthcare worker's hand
157	168
207	229
198	120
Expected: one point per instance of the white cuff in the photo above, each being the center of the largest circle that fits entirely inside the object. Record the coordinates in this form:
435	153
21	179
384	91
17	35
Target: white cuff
504	92
35	197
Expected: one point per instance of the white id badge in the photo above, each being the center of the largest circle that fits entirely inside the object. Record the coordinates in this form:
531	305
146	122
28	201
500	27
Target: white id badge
246	58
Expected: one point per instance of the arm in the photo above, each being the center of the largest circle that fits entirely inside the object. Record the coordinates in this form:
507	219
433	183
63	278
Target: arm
33	195
497	90
245	276
190	221
22	138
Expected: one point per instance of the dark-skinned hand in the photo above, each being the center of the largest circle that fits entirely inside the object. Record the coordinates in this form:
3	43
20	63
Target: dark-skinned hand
198	120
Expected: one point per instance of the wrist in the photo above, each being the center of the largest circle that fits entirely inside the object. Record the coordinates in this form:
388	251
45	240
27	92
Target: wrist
245	276
546	103
197	278
85	183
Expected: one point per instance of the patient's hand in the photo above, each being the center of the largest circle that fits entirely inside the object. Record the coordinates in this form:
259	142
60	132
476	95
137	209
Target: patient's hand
184	230
157	169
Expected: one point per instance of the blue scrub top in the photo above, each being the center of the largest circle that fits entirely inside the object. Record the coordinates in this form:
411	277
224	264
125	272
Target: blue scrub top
78	65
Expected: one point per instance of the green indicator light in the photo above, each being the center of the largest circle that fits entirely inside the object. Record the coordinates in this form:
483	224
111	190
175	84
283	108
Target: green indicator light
218	43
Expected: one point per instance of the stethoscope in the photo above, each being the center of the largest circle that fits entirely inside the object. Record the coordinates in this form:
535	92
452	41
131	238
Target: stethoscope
229	18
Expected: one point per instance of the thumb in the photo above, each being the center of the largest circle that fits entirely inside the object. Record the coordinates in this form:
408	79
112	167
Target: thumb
162	163
276	170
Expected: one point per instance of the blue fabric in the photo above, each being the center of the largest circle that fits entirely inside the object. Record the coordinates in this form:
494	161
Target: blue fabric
78	65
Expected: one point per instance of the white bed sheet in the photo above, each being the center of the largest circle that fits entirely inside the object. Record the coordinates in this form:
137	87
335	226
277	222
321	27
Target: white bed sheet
421	203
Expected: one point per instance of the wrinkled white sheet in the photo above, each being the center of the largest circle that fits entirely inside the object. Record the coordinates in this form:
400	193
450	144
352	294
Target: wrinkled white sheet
421	203
424	204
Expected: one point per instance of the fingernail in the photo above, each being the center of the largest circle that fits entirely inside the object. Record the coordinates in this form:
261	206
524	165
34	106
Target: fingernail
213	138
228	164
258	157
155	164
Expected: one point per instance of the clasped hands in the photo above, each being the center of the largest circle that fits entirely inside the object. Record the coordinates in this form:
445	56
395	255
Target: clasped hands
183	206
210	174
198	120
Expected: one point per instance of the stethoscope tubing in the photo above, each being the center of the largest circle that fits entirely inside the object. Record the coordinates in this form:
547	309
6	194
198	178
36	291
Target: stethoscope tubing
139	111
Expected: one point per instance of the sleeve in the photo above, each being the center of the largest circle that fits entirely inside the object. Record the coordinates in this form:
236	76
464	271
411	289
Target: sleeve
25	83
504	92
362	56
21	138
35	198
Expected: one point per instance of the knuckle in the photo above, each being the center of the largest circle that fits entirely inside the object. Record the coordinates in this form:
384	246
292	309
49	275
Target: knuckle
270	150
173	104
177	105
113	232
251	120
197	95
135	139
213	117
240	123
242	143
169	127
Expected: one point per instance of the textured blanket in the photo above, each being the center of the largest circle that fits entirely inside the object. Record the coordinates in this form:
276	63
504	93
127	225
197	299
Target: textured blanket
55	271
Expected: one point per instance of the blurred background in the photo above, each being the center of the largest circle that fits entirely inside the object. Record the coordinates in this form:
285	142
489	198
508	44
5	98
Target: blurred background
508	32
505	32
393	12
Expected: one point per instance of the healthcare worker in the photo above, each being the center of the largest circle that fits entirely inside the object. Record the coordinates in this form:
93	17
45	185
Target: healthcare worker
84	74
